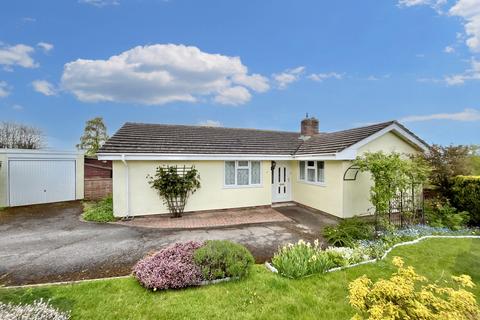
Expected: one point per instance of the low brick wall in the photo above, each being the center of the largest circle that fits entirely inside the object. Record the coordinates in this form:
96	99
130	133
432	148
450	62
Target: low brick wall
97	188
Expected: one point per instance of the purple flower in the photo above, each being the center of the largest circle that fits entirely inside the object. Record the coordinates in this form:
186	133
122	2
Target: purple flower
170	268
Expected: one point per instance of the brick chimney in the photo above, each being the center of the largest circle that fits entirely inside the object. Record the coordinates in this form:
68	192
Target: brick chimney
309	126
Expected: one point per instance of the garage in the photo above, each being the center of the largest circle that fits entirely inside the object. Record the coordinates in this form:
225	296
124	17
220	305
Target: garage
38	176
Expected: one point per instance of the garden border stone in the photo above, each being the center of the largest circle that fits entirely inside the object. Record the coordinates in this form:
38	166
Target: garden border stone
271	268
202	283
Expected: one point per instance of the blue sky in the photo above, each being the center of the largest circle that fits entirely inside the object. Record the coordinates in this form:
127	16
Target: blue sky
258	64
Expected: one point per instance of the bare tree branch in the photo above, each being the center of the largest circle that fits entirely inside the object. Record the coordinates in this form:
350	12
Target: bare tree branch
20	136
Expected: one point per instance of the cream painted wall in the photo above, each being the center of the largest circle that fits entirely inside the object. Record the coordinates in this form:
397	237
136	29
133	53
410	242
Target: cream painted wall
327	197
337	197
3	181
388	143
356	194
211	195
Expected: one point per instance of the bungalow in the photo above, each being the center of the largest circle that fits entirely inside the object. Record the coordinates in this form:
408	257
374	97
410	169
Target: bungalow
247	167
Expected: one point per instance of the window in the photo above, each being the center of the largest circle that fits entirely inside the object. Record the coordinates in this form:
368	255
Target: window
302	170
255	172
312	171
242	173
320	171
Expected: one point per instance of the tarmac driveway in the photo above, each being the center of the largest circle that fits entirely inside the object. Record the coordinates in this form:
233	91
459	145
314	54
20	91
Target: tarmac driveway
49	243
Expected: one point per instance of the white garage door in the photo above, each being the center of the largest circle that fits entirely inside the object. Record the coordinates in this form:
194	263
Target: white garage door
35	181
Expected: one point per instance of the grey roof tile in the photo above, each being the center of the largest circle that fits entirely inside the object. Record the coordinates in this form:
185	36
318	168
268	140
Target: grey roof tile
182	139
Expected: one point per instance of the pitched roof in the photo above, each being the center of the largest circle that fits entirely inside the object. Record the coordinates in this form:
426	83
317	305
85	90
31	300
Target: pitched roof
182	139
339	140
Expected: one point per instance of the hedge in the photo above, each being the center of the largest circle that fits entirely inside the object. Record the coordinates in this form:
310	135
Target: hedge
466	196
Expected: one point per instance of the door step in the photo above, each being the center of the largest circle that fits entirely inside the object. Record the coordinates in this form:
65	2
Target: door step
283	204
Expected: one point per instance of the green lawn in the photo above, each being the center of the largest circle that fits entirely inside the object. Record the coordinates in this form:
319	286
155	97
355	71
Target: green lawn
262	296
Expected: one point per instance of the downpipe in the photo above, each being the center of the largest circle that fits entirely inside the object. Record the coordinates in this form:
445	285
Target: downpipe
127	217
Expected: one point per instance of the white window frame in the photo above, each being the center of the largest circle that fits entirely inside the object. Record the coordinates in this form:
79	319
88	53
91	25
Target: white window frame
314	167
250	184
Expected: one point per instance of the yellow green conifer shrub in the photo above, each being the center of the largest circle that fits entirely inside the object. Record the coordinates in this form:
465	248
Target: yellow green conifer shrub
407	295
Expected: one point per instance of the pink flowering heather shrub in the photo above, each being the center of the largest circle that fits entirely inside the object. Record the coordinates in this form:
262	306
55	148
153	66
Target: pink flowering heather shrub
170	268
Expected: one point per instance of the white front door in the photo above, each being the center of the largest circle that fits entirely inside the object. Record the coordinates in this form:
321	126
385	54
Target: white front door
281	182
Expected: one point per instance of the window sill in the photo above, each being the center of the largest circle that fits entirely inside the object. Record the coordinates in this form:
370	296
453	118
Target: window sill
318	184
242	187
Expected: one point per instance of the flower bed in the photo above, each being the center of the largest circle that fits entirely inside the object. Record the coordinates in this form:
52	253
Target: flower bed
301	259
39	310
193	263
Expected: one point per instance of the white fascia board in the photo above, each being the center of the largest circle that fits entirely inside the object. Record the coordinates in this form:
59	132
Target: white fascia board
326	156
40	153
348	152
187	157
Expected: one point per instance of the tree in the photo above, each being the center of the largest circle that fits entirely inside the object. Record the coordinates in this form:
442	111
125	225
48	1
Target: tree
475	160
174	186
447	162
20	136
93	137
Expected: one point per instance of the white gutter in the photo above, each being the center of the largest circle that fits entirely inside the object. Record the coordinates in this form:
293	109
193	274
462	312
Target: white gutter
127	191
189	157
180	157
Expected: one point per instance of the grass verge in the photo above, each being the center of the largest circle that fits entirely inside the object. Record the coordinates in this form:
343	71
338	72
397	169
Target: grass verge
262	295
99	211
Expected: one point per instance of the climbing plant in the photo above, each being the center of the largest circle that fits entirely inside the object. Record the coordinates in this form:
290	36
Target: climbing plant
391	174
175	185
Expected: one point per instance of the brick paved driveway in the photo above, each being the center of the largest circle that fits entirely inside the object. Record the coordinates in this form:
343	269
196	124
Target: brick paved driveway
210	219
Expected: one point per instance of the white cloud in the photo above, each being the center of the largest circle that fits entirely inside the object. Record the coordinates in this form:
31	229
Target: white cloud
17	107
44	87
465	115
288	76
324	76
233	96
46	47
19	55
4	89
210	123
473	73
411	3
100	3
449	49
431	80
28	20
434	4
377	77
256	82
162	73
469	11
